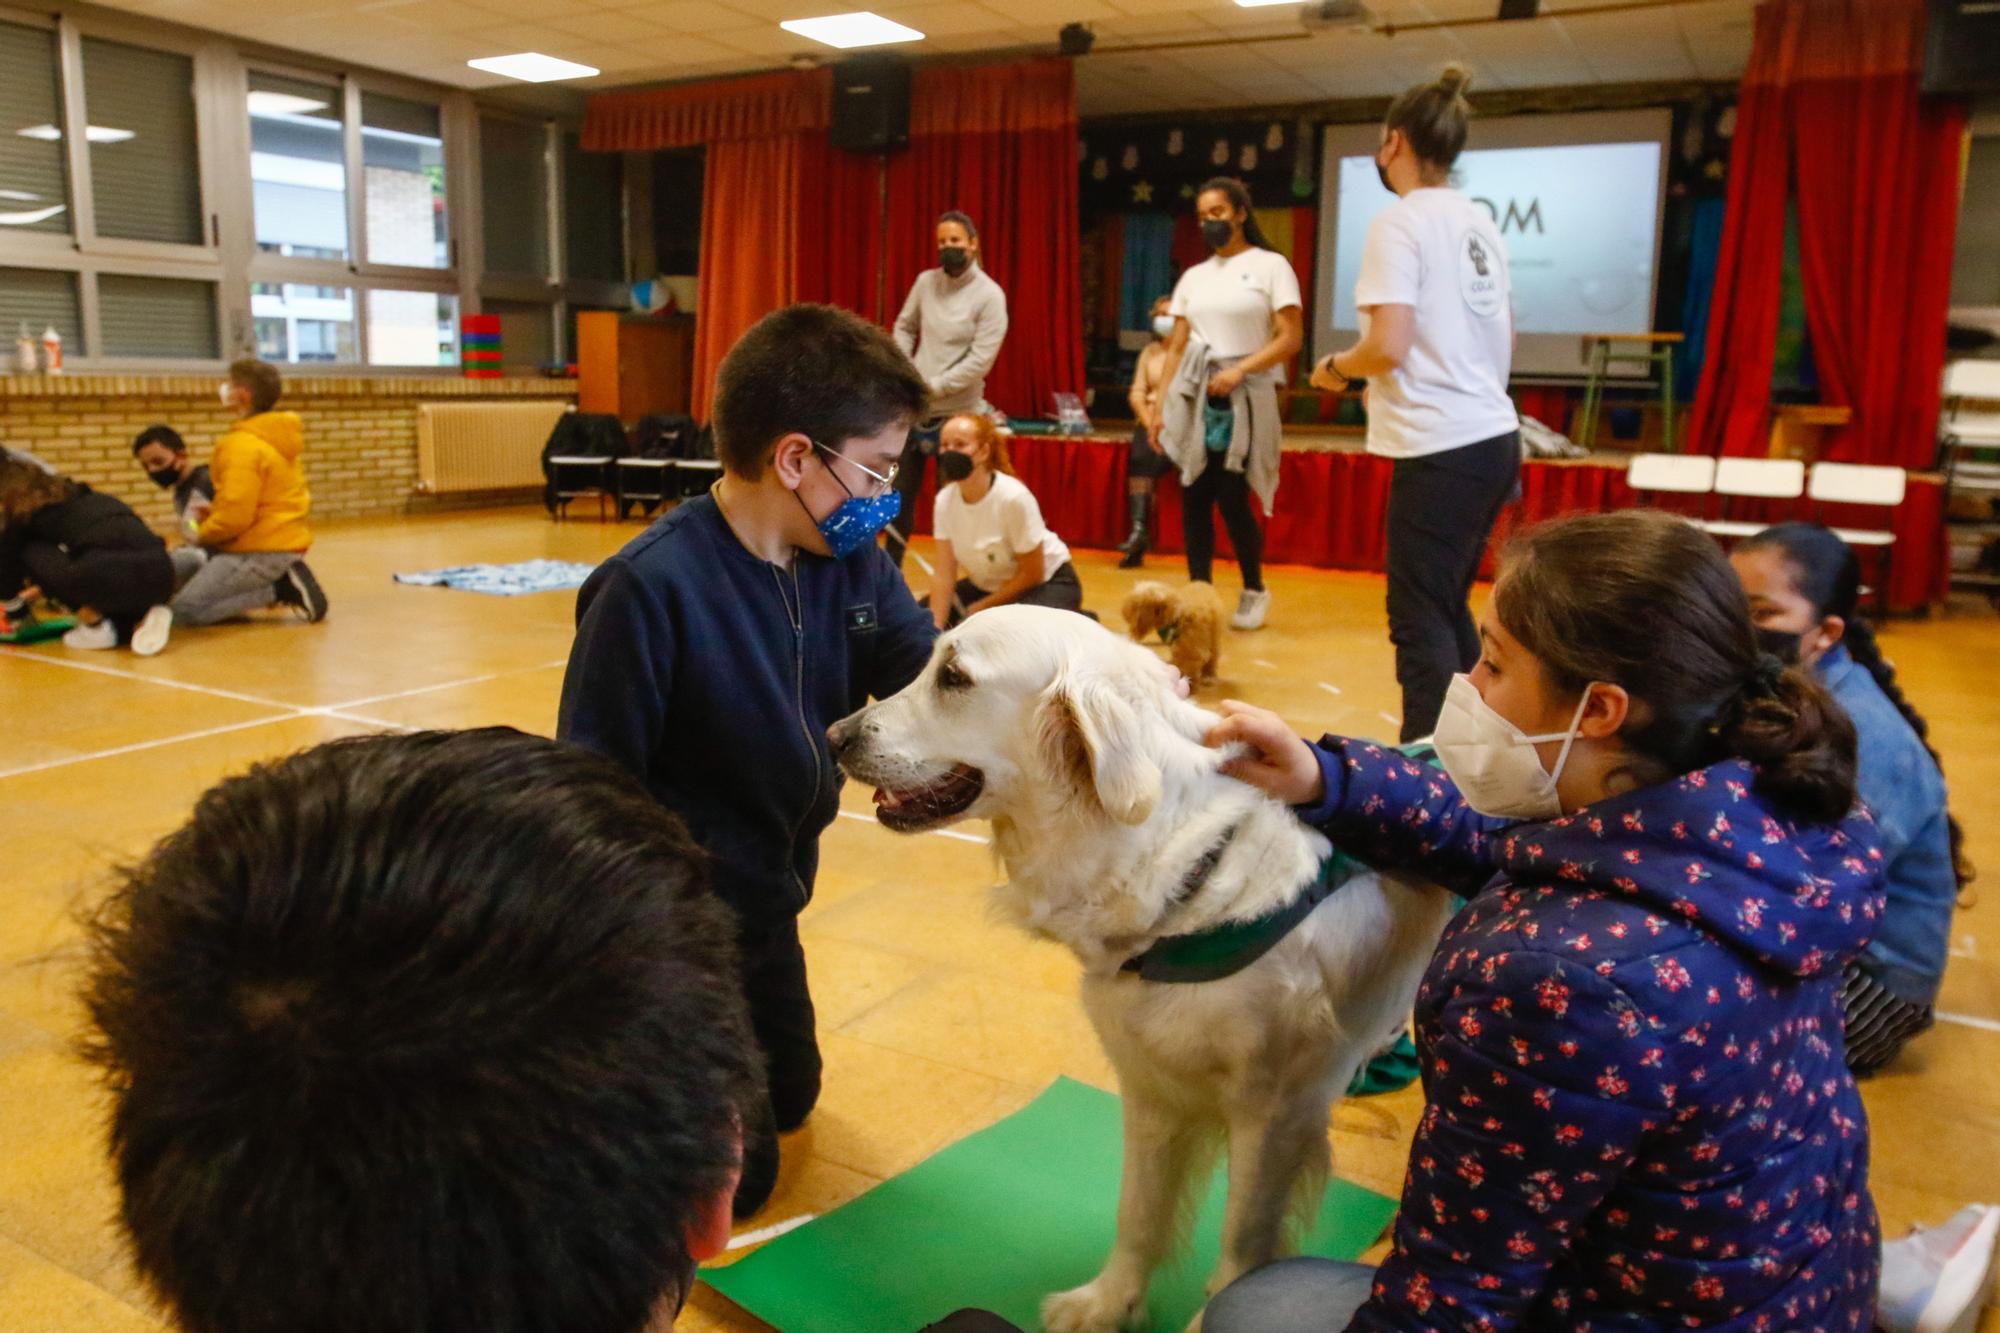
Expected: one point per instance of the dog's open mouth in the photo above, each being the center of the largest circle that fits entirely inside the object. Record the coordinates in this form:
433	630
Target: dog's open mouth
933	803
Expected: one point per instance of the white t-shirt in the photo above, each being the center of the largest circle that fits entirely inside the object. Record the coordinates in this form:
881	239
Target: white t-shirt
1437	251
1228	303
988	539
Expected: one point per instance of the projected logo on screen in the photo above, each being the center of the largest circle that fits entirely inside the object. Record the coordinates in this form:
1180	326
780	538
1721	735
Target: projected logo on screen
1577	222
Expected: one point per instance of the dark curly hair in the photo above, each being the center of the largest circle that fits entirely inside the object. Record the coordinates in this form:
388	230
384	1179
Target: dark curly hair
433	1033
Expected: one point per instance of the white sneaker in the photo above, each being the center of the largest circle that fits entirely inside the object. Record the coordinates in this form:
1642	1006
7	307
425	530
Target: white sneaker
1935	1279
151	635
101	635
1251	608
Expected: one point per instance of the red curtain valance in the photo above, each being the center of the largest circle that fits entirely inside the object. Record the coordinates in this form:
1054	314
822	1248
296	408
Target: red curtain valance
688	114
985	99
1836	39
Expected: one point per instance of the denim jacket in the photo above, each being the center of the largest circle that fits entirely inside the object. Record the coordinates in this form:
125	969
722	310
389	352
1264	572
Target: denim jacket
1903	787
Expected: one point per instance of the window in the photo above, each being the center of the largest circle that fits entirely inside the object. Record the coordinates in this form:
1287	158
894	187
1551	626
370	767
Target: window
34	299
412	329
593	213
145	176
158	317
402	155
33	191
298	167
297	323
514	187
527	335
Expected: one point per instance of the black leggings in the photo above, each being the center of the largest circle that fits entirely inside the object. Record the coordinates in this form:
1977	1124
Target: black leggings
1061	590
119	583
1218	486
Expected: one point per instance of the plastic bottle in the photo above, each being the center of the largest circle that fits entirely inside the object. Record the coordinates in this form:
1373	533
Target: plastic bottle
25	359
51	351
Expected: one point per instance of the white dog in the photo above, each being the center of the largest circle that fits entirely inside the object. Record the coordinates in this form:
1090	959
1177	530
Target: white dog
1119	834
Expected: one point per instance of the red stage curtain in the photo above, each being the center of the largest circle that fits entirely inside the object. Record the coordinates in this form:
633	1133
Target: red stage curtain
1877	177
1829	107
1335	516
650	119
837	256
1731	402
999	143
749	200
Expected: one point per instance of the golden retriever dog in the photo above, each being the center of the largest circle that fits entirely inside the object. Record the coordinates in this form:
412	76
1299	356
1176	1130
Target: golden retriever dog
1188	620
1120	833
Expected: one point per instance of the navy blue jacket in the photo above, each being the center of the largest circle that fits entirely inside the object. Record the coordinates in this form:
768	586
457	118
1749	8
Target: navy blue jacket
1639	1114
713	675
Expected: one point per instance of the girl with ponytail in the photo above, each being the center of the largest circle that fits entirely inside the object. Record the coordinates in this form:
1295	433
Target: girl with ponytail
1623	1031
1804	586
1238	322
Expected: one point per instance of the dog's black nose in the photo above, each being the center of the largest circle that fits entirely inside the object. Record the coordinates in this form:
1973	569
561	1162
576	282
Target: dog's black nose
842	735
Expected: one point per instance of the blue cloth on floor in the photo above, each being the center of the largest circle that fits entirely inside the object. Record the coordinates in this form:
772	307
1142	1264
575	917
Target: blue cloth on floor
505	580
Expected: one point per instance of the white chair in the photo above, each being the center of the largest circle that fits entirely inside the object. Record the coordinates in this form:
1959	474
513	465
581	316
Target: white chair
1754	479
1861	484
1682	474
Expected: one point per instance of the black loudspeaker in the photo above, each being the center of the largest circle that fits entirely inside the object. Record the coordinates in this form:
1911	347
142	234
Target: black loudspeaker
871	104
1520	9
1962	47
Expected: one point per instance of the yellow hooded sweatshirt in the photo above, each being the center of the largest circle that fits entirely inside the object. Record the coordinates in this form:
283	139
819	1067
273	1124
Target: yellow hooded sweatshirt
261	500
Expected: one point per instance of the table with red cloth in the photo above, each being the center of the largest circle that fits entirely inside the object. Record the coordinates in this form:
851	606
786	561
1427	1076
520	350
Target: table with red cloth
1332	505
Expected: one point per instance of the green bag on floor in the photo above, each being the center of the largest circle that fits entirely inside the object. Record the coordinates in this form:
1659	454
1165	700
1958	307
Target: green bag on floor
997	1221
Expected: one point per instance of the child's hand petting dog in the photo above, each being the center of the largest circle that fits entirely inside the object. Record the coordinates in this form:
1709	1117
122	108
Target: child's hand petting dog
1279	763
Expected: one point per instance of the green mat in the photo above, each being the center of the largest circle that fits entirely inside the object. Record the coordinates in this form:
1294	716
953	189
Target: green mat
998	1221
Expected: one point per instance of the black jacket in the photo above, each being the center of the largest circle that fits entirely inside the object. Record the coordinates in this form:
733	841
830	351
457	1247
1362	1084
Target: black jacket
713	675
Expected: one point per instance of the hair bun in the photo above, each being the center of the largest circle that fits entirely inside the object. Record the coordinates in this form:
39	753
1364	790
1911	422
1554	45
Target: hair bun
1761	681
1454	79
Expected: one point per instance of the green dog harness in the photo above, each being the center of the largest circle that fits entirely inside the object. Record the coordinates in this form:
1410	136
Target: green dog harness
1224	950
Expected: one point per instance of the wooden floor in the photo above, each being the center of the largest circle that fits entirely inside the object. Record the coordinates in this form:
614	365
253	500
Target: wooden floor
935	1021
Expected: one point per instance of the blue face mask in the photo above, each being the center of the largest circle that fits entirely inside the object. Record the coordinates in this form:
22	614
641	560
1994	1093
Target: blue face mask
856	520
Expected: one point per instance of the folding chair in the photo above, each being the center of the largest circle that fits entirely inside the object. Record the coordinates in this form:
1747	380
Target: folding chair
1674	474
1861	484
1756	479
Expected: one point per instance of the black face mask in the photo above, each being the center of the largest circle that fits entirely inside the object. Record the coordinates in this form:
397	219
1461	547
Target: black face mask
953	259
1215	232
953	466
1781	644
164	477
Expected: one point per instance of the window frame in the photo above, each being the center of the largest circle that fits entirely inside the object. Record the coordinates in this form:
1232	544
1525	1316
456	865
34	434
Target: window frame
227	256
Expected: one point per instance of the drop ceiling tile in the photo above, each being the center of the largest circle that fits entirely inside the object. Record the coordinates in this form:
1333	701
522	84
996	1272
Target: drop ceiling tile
769	41
685	15
685	49
939	20
607	26
435	15
1053	14
1631	48
535	9
993	40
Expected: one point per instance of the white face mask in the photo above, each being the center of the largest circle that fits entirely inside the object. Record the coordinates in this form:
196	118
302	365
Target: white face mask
1163	326
1494	762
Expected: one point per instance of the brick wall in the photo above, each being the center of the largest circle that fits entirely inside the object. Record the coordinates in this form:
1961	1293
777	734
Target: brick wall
361	434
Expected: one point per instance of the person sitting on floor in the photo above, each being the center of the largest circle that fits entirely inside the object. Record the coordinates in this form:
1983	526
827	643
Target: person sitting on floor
256	532
987	524
87	550
453	1045
1804	585
164	455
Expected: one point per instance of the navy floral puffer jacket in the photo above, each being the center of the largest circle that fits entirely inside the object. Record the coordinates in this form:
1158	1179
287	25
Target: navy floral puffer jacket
1639	1116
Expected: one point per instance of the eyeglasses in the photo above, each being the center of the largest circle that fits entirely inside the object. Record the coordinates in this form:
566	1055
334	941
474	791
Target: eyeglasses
883	481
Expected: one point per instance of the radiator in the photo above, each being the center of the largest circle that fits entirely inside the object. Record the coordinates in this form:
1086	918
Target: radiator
484	446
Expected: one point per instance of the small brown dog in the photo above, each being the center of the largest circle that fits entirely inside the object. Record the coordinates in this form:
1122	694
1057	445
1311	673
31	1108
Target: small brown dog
1189	622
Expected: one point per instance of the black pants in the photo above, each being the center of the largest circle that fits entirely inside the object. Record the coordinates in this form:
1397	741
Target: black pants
921	447
781	1016
1442	508
1218	487
119	583
1061	590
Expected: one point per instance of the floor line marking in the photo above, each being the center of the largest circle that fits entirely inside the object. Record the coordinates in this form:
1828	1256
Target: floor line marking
171	684
447	685
137	746
1969	1020
1334	690
772	1232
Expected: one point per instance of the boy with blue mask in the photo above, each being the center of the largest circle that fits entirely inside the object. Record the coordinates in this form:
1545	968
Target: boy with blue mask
713	652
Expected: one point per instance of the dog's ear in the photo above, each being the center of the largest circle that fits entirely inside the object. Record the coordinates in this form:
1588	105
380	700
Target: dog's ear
1095	739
